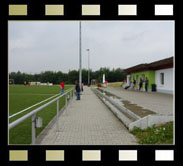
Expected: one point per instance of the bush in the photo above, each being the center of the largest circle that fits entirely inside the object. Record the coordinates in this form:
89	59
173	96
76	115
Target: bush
161	134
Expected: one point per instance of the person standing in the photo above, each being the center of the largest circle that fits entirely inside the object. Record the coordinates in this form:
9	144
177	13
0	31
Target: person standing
131	85
146	84
62	87
82	87
106	83
134	83
77	88
140	84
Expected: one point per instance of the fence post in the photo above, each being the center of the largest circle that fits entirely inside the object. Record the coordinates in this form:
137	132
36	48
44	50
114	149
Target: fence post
70	95
57	115
34	129
65	100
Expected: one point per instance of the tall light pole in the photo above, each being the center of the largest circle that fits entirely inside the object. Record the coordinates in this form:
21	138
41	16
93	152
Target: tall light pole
88	66
80	56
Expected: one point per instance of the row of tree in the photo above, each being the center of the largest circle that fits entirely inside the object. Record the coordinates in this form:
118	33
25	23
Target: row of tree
114	75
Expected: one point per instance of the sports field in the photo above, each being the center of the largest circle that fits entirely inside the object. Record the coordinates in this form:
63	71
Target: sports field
24	99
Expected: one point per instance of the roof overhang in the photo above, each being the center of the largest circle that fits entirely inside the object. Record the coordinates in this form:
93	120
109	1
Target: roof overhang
162	64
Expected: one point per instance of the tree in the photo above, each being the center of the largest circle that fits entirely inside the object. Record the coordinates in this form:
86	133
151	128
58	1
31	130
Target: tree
113	75
73	76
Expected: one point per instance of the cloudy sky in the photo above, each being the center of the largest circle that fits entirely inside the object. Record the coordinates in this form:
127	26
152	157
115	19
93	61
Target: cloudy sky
36	46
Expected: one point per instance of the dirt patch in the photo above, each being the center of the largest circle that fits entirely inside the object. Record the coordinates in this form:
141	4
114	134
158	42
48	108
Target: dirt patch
140	111
108	94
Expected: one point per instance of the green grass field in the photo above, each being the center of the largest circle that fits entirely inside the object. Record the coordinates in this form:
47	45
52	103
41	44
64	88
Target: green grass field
115	84
22	97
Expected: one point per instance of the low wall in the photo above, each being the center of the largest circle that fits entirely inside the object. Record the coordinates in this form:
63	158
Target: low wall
128	118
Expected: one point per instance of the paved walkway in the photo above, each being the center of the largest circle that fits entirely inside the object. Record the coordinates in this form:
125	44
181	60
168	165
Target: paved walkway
88	122
157	102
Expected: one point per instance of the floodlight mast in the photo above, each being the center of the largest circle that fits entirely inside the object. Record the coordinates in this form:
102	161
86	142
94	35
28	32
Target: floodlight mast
80	56
88	66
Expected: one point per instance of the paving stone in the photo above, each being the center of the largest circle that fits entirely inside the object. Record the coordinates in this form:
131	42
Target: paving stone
89	122
154	101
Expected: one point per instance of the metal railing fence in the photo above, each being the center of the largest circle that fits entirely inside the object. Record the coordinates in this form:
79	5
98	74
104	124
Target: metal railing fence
32	114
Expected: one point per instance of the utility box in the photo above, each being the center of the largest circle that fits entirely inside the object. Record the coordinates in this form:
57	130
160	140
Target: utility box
39	122
153	87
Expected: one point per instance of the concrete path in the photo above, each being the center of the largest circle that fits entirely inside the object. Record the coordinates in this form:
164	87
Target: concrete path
88	122
156	102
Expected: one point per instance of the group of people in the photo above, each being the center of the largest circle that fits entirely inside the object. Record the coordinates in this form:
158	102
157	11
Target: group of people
146	81
77	89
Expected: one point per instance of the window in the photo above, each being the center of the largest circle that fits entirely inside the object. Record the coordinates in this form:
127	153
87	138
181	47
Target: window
162	78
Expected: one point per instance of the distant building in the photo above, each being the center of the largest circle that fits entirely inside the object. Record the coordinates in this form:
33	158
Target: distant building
159	73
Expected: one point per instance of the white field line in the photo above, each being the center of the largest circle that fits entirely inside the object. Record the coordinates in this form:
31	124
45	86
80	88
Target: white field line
32	94
32	106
